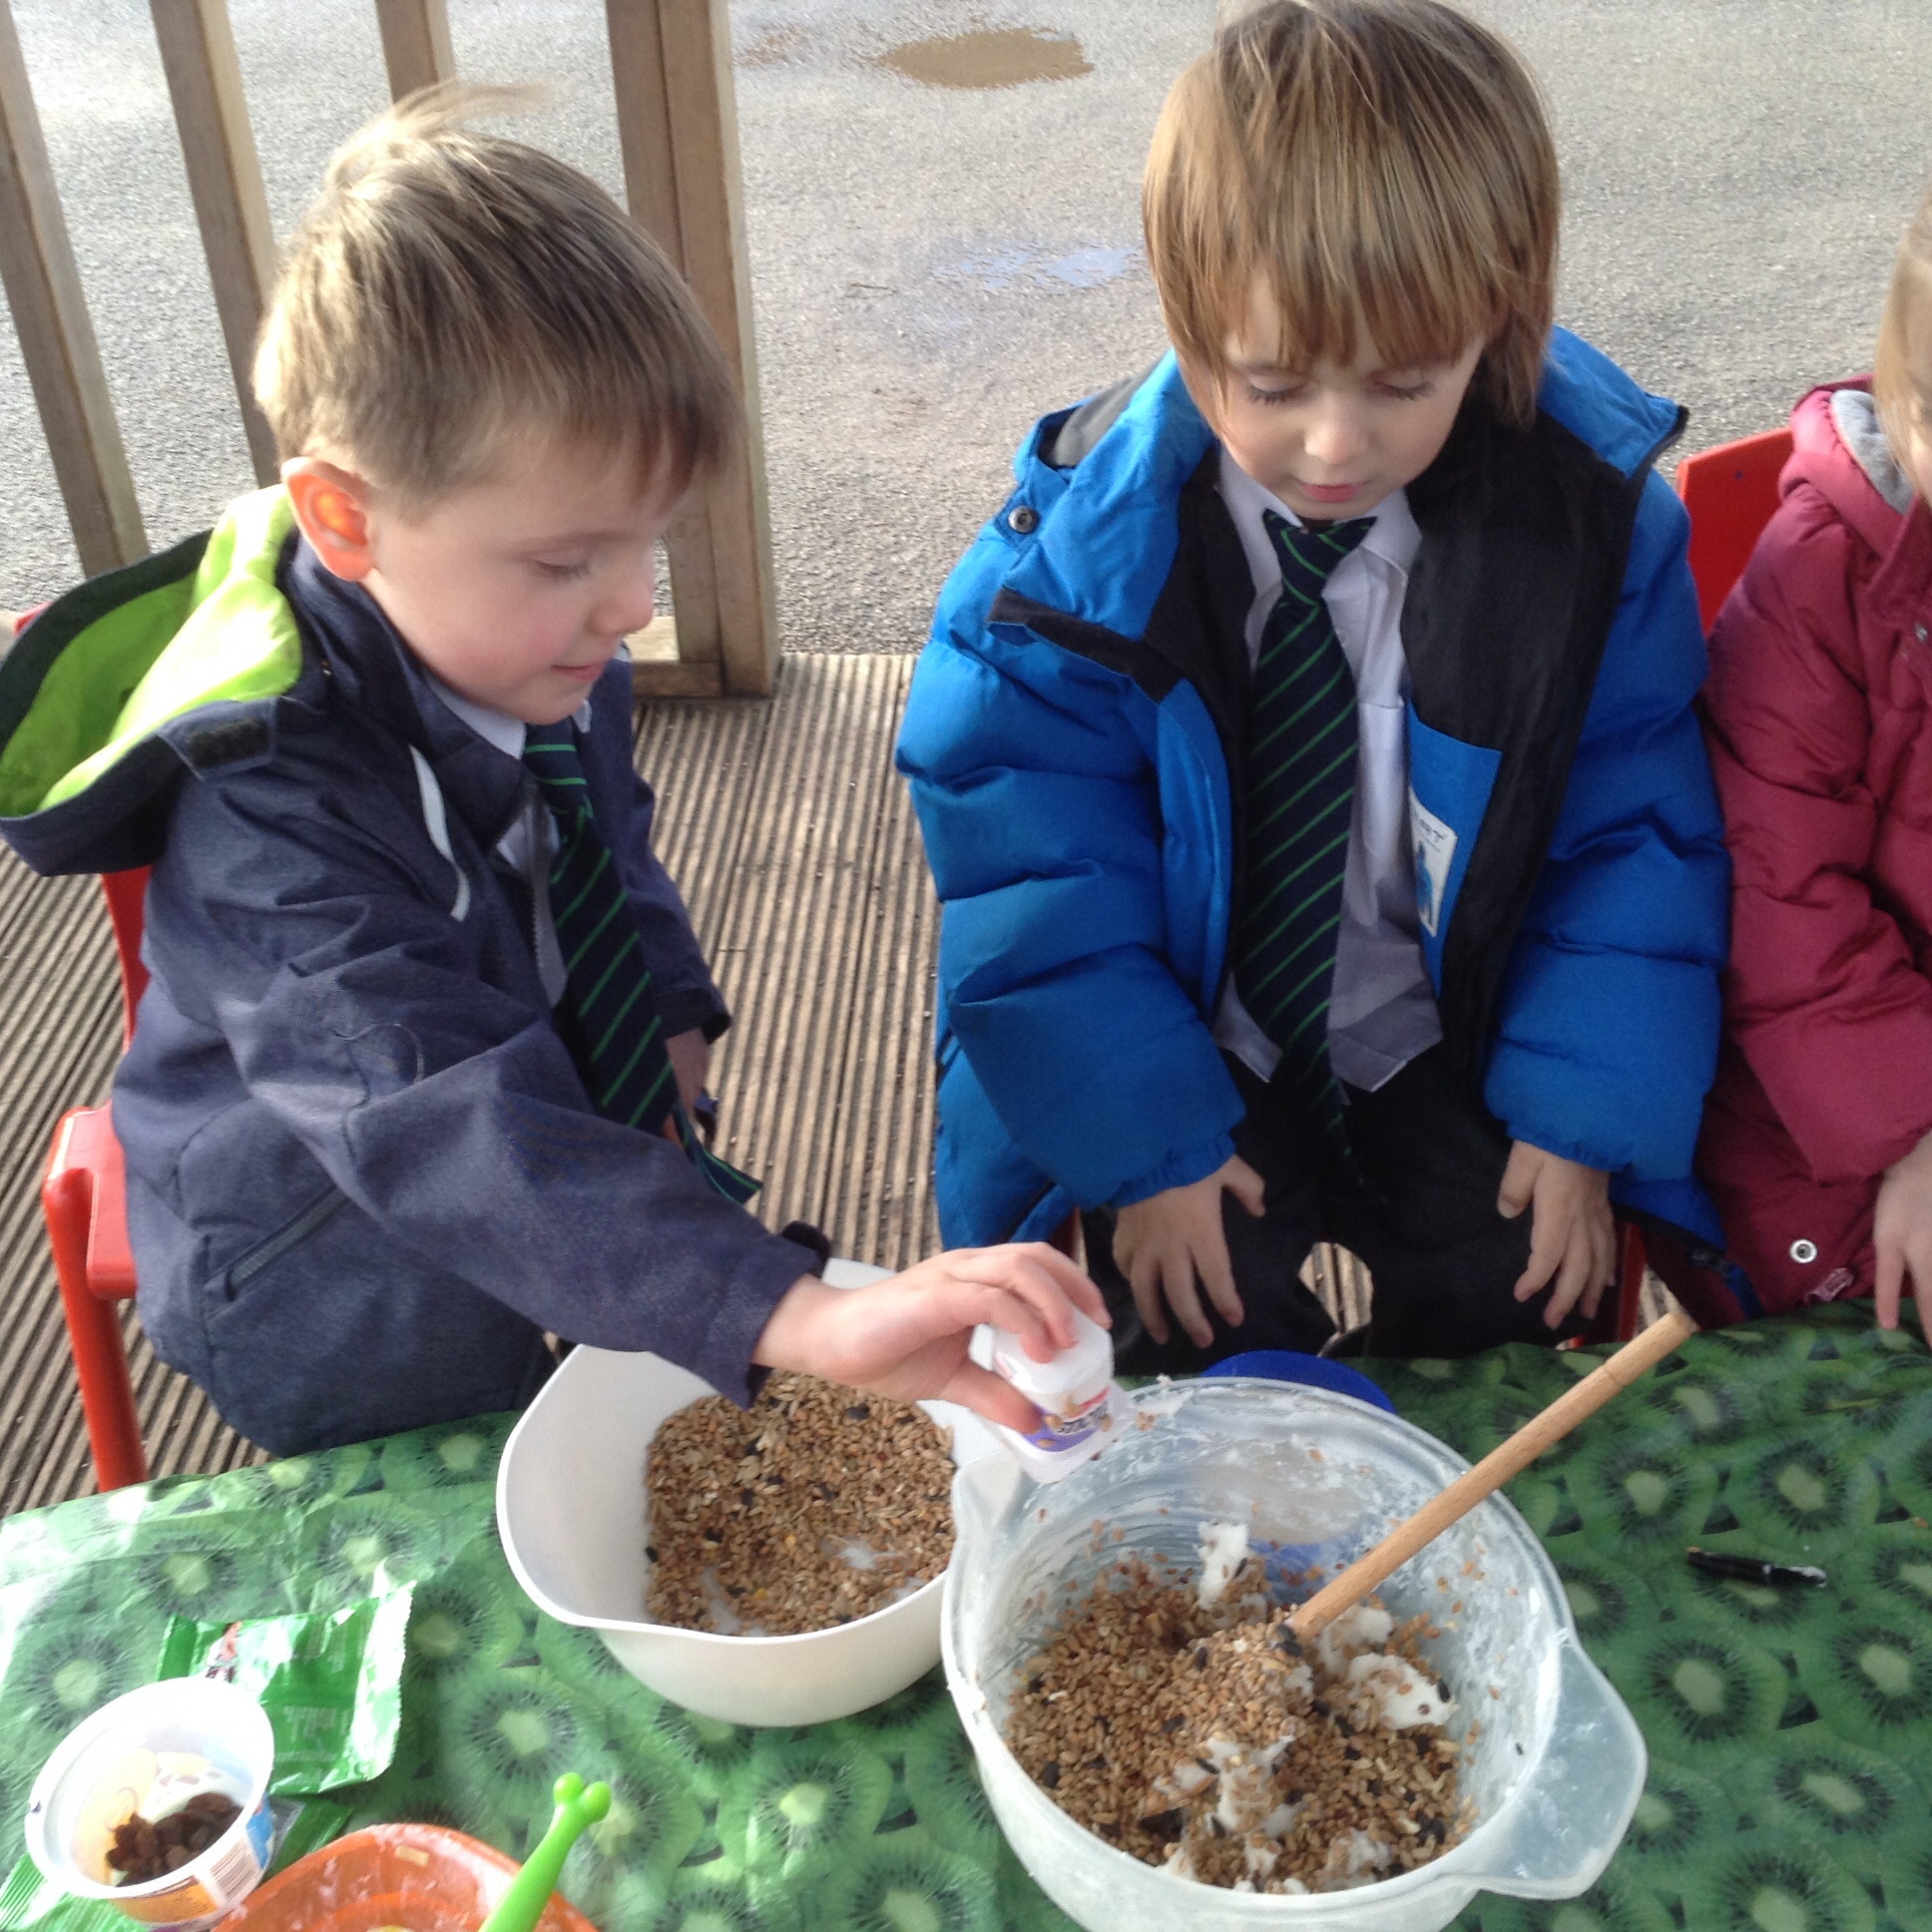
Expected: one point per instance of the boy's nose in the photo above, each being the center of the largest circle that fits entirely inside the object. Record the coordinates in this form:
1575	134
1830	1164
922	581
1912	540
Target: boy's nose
1334	439
631	604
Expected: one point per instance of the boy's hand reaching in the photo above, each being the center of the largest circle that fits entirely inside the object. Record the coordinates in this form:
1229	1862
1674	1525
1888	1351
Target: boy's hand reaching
907	1336
1572	1236
1173	1239
691	1064
1902	1235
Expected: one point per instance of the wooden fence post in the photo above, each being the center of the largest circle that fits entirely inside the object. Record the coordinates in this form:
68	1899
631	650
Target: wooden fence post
56	336
415	44
224	176
671	63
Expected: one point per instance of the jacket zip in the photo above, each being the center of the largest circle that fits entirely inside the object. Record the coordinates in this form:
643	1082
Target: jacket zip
311	1220
1488	980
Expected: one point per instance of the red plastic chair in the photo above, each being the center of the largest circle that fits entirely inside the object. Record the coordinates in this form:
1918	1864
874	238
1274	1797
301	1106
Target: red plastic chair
1730	492
83	1195
1619	1313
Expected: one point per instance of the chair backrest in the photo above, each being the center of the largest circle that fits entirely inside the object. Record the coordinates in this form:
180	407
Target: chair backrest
127	903
1730	492
127	908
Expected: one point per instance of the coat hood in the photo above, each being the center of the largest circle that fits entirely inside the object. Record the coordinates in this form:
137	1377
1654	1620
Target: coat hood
1106	551
1838	448
176	662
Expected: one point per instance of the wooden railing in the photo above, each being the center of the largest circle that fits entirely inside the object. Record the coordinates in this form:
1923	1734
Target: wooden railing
677	130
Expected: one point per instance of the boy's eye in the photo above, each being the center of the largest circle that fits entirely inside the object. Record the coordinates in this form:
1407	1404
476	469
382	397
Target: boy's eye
1271	398
1409	391
561	573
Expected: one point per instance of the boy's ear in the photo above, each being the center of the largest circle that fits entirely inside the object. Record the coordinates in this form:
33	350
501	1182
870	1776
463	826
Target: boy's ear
332	506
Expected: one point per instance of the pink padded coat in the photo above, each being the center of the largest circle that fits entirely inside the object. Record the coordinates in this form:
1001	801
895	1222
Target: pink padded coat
1817	714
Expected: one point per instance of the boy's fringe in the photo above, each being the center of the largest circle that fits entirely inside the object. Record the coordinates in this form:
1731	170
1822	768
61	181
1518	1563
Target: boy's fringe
454	298
1378	166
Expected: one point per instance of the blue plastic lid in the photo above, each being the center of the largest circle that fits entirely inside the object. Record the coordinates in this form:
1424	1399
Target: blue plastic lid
1316	1371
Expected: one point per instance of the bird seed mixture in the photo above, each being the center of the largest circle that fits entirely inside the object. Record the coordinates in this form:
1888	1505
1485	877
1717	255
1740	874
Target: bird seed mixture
813	1507
1199	1736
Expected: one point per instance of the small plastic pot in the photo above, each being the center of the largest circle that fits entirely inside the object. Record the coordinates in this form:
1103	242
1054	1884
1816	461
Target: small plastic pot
100	1773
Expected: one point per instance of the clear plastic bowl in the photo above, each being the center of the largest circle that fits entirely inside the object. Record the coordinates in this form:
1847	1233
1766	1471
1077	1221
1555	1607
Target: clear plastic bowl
1557	1764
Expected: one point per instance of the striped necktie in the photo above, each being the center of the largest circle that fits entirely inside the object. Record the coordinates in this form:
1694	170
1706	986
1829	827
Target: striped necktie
1301	757
614	1031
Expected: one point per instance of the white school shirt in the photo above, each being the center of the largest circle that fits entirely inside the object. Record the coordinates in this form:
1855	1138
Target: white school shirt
509	735
1382	1012
531	842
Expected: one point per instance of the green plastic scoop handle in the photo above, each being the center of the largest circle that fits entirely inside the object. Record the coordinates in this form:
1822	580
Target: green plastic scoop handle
576	1808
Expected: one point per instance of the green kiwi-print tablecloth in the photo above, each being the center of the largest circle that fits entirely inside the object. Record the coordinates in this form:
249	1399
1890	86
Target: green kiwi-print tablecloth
1790	1731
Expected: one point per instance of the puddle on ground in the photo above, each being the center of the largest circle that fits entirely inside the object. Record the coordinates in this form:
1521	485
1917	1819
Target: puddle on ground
1004	265
989	57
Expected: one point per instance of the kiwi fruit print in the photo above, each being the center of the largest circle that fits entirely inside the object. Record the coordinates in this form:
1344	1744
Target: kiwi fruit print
1790	1731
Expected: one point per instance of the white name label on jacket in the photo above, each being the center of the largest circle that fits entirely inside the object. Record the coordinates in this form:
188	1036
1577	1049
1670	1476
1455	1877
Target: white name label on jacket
1436	852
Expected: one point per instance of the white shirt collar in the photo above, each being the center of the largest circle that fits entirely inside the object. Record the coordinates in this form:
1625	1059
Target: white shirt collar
507	733
1393	537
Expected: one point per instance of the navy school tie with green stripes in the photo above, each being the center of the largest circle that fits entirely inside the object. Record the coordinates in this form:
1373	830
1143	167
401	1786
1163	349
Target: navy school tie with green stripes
1300	756
620	1042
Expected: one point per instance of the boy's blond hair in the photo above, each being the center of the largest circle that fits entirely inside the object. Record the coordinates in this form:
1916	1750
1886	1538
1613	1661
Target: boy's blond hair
1904	395
1380	168
452	299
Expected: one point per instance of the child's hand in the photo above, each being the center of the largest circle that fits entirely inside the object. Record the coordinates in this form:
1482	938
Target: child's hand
1572	1236
907	1336
1175	1239
690	1065
1902	1235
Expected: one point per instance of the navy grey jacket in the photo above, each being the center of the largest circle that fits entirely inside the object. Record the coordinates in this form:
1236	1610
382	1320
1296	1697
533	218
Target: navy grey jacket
363	1175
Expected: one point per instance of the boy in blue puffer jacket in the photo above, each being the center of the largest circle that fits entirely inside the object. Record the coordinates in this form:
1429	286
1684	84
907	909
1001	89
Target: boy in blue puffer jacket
1304	752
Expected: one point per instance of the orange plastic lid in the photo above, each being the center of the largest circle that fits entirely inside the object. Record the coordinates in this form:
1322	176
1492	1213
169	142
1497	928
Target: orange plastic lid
417	1877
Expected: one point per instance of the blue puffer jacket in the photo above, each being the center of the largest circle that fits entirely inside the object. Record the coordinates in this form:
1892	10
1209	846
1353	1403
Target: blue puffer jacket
363	1175
1072	741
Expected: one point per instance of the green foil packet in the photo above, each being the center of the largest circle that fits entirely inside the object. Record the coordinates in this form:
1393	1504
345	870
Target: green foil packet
303	1825
330	1681
27	1899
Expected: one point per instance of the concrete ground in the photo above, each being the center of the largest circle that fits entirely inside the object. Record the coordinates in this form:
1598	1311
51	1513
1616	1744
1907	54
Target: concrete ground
934	265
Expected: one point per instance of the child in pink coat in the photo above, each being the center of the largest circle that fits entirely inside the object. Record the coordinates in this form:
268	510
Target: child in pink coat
1817	1139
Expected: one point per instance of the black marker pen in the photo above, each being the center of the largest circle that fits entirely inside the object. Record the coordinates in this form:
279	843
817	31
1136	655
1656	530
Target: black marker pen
1783	1575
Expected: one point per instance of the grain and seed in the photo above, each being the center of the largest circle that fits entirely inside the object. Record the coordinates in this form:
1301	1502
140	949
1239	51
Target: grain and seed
813	1507
1204	1740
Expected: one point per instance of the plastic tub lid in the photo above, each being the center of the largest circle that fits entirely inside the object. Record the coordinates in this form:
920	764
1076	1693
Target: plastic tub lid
1312	1371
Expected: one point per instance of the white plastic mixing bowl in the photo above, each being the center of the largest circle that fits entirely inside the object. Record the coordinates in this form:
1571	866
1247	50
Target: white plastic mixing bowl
570	1507
1556	1765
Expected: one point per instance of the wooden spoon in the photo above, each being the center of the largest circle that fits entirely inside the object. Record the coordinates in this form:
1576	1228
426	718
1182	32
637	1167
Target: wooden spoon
1494	1469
